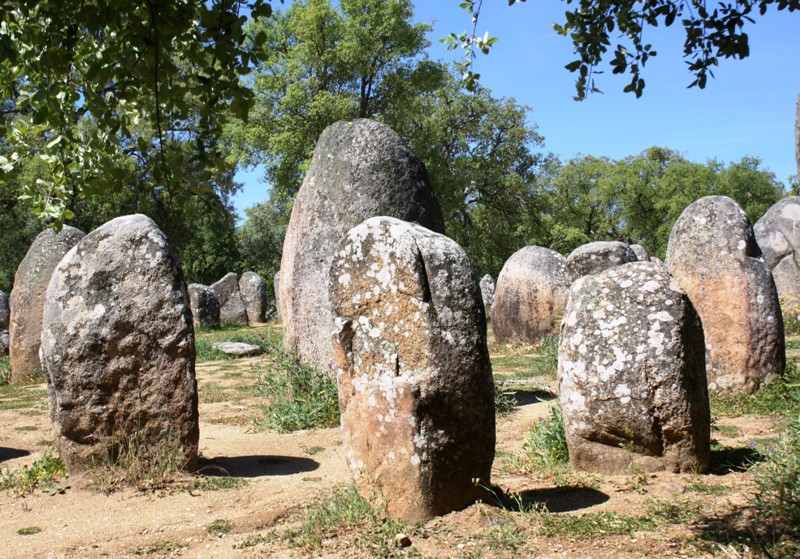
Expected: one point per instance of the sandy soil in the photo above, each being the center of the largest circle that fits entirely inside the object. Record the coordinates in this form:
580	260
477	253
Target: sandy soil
284	473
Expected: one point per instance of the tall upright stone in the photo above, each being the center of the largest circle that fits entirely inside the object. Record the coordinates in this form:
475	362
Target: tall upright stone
531	294
415	380
595	257
27	296
713	255
631	374
232	311
254	297
360	169
118	348
204	305
488	287
276	287
5	312
778	236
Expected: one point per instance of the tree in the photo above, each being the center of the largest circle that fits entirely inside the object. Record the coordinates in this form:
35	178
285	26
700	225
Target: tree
365	58
172	67
711	33
360	59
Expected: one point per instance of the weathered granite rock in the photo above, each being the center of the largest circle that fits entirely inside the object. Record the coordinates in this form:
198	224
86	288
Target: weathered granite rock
118	347
5	311
254	297
27	296
3	342
488	287
713	254
778	236
532	291
360	169
415	381
276	285
232	311
204	305
237	349
641	253
592	258
631	374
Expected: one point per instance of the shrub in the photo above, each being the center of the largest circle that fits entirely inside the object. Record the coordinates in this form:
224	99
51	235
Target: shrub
299	395
546	444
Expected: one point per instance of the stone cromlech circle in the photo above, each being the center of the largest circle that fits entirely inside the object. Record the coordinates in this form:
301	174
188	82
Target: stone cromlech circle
713	255
415	381
118	349
372	290
359	169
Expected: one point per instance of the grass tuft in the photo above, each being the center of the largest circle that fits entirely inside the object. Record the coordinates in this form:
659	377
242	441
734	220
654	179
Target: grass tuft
44	473
546	444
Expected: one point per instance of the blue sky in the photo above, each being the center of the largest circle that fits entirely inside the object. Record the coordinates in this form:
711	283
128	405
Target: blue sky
748	109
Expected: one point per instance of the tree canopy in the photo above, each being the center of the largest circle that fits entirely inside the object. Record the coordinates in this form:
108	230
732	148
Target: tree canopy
92	88
711	32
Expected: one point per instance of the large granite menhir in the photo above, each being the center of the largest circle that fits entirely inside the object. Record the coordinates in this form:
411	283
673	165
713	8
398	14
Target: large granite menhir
415	381
232	311
531	294
632	375
359	170
713	255
595	257
118	347
778	236
27	297
254	296
204	305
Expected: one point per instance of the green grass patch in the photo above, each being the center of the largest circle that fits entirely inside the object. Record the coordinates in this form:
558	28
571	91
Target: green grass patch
593	525
266	339
546	444
346	515
44	473
5	370
298	395
160	546
217	483
220	527
727	430
26	428
29	531
777	398
707	489
21	396
674	511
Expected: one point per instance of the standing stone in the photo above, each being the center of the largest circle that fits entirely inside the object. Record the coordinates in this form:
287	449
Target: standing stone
204	306
276	286
118	348
488	287
778	236
27	299
631	374
713	254
254	297
360	169
232	311
415	381
5	313
641	253
532	291
592	258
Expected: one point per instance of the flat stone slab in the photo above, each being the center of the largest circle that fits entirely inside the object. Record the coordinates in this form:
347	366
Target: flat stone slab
237	349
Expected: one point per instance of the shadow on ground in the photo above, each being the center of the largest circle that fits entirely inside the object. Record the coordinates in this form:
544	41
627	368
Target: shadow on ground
726	460
554	499
11	453
256	466
527	397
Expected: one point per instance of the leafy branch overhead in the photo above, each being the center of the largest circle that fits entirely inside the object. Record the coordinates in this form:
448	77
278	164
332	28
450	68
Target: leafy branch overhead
95	88
712	32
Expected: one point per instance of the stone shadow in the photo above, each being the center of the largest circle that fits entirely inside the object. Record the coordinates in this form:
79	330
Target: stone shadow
11	453
554	499
726	459
523	397
255	466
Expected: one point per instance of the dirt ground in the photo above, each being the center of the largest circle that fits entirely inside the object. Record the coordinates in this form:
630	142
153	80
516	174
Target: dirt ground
284	473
